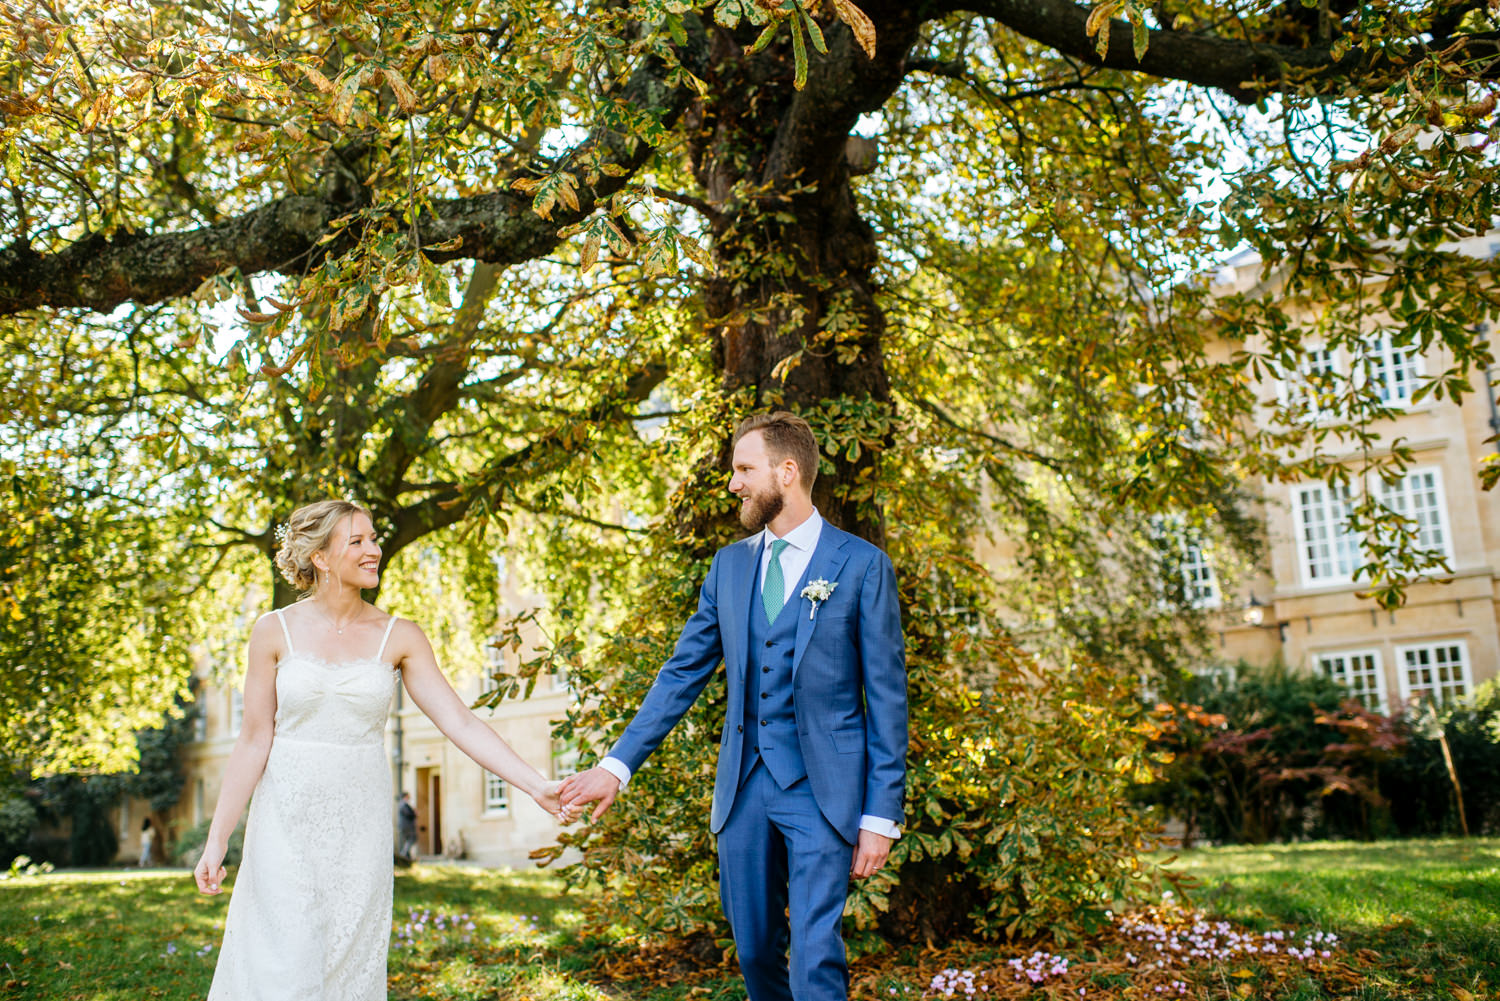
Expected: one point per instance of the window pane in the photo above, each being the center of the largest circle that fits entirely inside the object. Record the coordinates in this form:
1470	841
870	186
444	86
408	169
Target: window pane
1436	671
1329	550
1310	390
1418	496
1394	371
496	794
1359	672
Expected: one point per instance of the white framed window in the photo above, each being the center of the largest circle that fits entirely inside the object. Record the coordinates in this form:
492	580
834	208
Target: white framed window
1394	370
1310	388
1419	496
1437	671
494	663
496	795
200	722
1198	580
236	711
1359	671
1327	552
1185	553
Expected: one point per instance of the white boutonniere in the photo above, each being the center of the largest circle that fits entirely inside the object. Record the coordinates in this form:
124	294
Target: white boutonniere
817	592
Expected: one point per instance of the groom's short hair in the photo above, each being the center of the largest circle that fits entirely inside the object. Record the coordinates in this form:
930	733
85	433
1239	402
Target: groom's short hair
787	436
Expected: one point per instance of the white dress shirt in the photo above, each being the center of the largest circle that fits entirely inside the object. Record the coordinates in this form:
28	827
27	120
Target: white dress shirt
801	542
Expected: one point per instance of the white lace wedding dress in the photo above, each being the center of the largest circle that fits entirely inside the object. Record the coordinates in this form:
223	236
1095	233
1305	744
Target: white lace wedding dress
310	912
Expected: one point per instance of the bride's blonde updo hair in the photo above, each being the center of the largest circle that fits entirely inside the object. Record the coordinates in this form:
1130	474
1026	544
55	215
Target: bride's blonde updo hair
307	531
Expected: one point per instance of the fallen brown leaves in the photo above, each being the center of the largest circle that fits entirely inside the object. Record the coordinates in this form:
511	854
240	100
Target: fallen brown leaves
1116	965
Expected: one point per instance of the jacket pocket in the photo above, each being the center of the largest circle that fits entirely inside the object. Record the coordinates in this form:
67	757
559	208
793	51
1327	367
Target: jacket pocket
848	741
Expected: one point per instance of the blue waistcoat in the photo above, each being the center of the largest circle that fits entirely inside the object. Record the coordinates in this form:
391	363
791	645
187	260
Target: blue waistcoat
770	717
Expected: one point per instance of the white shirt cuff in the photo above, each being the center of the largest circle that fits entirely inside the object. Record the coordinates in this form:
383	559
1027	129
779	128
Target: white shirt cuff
876	825
618	769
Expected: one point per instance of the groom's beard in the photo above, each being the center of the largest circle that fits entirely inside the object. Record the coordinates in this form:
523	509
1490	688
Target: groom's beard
759	510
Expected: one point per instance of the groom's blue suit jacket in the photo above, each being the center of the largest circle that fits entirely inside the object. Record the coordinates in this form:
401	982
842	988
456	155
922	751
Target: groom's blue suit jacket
848	679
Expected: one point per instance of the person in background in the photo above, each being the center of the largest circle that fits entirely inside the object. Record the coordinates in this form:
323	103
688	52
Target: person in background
406	816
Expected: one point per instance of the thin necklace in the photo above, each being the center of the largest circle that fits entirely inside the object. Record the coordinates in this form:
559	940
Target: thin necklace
335	622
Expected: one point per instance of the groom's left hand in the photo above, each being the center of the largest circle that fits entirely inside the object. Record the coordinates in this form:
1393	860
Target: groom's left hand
870	854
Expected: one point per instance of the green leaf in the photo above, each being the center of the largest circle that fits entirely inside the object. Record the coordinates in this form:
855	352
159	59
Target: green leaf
813	31
799	53
764	38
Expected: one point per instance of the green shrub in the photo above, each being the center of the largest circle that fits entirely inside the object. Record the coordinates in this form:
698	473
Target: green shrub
1418	785
1267	754
17	820
1274	755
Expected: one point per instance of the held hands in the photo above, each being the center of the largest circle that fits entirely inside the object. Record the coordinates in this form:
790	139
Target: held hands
869	854
548	799
593	786
209	872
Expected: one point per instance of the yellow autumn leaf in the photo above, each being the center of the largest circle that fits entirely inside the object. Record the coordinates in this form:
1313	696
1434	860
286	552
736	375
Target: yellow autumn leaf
405	96
97	112
590	255
316	78
859	23
695	251
1099	17
343	104
566	192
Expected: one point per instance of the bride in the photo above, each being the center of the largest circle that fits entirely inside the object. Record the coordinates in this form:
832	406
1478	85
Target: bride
310	916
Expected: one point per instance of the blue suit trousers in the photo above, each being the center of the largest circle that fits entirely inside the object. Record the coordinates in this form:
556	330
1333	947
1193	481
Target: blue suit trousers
783	878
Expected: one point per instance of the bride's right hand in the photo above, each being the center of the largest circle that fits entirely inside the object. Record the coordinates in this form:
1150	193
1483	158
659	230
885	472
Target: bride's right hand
209	872
550	799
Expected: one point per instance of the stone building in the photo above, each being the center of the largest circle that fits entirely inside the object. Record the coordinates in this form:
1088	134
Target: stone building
1306	607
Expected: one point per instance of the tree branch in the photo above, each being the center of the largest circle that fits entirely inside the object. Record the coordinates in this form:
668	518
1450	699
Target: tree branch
537	458
283	236
1244	68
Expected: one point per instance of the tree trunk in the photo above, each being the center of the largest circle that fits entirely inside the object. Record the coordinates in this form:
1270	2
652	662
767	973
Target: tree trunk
1458	790
794	318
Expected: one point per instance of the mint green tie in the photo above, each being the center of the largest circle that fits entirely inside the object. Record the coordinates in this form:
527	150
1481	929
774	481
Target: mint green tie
773	594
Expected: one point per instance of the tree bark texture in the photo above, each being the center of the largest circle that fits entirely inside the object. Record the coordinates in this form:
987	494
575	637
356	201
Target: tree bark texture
792	303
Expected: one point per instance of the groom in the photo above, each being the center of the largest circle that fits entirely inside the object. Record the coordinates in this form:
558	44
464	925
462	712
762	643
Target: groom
812	761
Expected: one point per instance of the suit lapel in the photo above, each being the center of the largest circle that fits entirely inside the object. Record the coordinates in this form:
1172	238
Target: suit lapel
738	587
828	559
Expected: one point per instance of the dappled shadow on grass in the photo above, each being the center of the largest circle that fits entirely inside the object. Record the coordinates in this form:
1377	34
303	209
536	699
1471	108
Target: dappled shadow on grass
1415	924
103	936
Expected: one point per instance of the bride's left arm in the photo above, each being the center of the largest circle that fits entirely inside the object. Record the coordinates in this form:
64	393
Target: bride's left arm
432	693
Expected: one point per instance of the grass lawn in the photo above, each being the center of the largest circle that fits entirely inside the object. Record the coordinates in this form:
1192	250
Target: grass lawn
1429	910
118	935
1416	920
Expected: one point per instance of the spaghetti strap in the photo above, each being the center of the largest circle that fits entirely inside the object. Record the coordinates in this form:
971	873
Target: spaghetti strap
388	627
284	630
